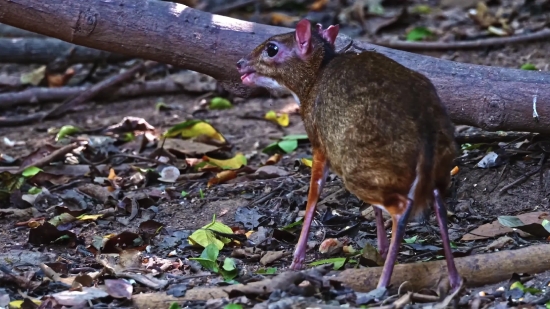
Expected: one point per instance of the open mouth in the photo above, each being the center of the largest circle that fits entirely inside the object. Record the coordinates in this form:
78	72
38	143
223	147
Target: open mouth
245	75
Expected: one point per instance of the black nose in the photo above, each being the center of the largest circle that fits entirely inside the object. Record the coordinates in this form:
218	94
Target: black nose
241	63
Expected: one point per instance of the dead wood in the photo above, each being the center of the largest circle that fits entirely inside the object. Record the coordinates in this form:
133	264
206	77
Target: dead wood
55	155
478	270
38	95
7	31
490	42
93	91
491	98
45	50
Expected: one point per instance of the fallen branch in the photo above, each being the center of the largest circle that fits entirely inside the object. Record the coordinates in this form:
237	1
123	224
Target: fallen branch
478	270
14	121
7	31
38	95
91	92
45	50
492	42
55	155
490	98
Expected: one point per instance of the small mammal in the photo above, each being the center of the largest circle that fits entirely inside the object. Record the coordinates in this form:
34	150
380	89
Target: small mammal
380	126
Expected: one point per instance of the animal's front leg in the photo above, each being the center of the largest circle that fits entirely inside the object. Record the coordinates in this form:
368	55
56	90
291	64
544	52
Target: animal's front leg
319	172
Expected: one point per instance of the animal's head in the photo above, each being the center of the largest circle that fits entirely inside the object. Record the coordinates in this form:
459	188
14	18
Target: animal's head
289	60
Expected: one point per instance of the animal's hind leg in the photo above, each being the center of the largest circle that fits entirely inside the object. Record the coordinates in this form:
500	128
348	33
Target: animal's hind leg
399	221
441	214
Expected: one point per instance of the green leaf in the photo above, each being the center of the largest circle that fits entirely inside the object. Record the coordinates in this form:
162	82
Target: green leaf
288	146
529	66
128	137
31	171
34	190
35	77
295	136
547	305
293	225
201	194
229	264
468	146
418	34
229	269
208	258
233	306
220	103
184	194
338	262
510	221
175	130
267	271
271	148
411	240
160	105
422	9
376	8
521	287
174	306
66	130
532	291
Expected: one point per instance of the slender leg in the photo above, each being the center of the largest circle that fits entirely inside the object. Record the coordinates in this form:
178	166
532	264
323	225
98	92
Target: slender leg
381	233
441	214
319	173
399	221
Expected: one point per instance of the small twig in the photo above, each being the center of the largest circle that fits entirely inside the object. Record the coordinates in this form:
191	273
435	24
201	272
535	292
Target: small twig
519	180
97	88
121	155
489	137
232	6
498	179
405	45
50	158
18	121
37	95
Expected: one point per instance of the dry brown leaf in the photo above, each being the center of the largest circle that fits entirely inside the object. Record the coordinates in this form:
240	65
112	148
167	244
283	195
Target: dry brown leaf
318	5
280	19
222	177
495	229
188	147
274	159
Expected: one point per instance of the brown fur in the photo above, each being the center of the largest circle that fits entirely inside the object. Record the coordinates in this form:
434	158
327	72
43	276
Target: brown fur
377	122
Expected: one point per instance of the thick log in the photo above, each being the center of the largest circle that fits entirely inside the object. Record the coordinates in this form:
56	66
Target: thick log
488	97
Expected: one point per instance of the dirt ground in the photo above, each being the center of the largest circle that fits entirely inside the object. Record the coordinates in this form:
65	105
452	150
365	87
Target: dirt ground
474	197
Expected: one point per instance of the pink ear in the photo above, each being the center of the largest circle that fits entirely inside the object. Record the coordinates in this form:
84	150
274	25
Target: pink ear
303	36
331	33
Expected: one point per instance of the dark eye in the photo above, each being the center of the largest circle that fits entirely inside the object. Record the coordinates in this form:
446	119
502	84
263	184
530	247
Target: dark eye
272	49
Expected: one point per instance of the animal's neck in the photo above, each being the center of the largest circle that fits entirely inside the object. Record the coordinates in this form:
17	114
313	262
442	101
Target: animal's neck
303	79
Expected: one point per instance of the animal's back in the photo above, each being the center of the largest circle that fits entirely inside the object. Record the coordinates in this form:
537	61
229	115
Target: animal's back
376	124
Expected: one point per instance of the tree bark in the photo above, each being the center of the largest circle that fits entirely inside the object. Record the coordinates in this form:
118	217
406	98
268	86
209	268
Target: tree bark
488	97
